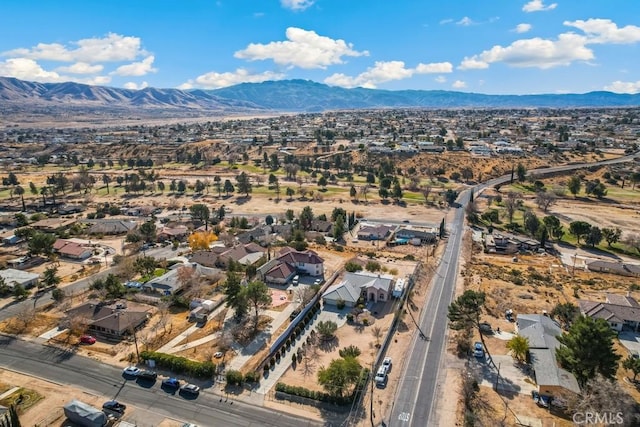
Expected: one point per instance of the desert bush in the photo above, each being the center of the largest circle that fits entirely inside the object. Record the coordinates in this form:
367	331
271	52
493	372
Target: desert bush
180	365
234	377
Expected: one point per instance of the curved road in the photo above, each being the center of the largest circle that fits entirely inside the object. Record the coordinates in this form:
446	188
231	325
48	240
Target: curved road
66	368
414	401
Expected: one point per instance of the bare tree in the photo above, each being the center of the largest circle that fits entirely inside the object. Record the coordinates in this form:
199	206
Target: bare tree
376	331
511	203
545	199
25	316
308	365
426	191
305	294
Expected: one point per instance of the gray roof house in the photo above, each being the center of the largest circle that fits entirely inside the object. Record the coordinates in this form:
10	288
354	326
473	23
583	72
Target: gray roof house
12	276
541	331
620	311
371	286
620	268
169	283
110	226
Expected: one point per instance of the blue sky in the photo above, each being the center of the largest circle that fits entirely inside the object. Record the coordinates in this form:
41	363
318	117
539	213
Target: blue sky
486	46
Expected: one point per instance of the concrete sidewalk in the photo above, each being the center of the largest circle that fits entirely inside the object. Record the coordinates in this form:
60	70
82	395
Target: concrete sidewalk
169	347
266	384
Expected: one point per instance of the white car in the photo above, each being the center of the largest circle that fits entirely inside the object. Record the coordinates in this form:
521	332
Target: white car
317	281
131	371
387	362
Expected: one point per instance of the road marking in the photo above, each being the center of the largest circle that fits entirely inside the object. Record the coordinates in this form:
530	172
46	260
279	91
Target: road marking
404	417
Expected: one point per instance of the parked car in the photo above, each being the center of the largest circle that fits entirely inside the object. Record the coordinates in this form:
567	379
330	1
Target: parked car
87	339
539	399
381	376
478	350
218	354
131	371
147	375
171	383
296	280
317	282
387	362
486	328
190	389
115	406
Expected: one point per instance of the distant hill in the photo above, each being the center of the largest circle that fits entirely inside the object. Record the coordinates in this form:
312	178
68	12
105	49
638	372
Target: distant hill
271	96
24	94
303	95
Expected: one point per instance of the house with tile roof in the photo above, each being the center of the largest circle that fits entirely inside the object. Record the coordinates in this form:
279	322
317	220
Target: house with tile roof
108	320
73	250
541	331
290	262
622	312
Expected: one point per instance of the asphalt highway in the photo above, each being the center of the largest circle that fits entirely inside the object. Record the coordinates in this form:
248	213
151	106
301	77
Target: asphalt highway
66	368
416	395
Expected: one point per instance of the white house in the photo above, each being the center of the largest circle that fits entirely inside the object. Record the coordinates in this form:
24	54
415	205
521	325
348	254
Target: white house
12	277
370	286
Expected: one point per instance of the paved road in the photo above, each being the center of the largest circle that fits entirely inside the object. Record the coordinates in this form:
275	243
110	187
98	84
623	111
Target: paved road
415	397
66	368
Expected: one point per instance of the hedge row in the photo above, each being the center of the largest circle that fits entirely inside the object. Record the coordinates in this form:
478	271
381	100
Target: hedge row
180	365
315	395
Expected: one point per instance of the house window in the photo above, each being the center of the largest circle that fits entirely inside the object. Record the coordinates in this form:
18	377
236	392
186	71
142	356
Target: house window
381	296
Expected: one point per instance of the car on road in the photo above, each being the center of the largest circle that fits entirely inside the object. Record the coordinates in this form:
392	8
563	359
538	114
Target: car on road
114	406
387	362
87	339
190	389
406	221
131	371
147	375
478	350
381	376
171	383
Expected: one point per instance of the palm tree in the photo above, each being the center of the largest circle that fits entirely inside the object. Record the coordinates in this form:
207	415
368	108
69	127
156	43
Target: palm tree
519	347
106	179
20	192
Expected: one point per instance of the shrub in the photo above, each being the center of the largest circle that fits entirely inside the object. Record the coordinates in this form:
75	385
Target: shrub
352	267
180	365
350	351
251	377
349	317
340	304
365	321
234	377
273	362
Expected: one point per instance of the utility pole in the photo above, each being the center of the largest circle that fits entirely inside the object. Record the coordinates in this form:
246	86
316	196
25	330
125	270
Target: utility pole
371	404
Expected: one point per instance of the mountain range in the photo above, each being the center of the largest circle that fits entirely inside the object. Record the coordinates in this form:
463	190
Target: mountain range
275	96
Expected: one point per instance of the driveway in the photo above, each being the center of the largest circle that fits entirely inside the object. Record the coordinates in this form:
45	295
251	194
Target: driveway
512	378
630	341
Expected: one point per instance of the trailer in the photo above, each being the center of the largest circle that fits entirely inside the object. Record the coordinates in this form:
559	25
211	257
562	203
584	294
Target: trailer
85	415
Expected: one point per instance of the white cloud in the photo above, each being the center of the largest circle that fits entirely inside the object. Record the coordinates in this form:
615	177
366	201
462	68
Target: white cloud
135	86
296	4
465	22
538	6
606	31
384	71
523	28
446	21
441	79
111	48
472	64
137	68
215	80
303	49
28	69
81	68
434	67
623	87
459	84
535	52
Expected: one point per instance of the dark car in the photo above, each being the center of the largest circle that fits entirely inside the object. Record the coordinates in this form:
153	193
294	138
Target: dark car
115	406
147	375
190	389
171	383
